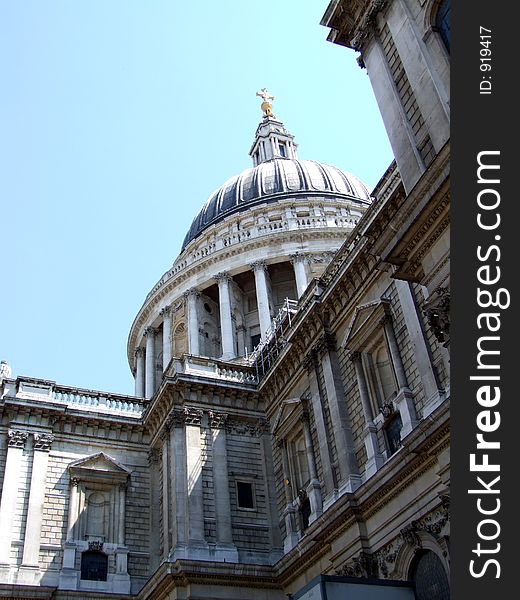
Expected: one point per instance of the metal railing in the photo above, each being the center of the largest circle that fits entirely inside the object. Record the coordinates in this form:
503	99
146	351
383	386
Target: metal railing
274	341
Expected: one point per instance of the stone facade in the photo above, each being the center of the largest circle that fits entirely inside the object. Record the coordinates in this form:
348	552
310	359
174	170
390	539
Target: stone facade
291	416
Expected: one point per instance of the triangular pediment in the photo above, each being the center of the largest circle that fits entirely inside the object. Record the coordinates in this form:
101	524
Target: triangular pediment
290	410
99	462
364	321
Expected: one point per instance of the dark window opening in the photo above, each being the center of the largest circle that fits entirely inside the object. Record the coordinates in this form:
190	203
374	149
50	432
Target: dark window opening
94	566
429	576
207	308
443	23
245	497
255	340
393	433
281	147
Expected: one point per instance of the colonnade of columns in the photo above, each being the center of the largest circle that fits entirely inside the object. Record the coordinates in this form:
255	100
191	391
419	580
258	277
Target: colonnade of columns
145	369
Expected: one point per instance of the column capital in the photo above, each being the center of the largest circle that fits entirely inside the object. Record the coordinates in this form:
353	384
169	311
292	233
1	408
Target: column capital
165	311
192	292
74	481
43	441
16	438
298	257
217	420
258	265
150	332
139	351
222	277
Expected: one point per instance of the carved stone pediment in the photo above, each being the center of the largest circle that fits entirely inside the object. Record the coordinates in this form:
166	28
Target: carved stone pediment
98	467
365	322
289	414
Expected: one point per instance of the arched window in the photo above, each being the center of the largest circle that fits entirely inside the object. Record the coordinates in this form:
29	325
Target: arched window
443	22
94	566
429	576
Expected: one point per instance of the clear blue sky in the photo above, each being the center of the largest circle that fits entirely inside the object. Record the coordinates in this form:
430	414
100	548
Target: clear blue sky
118	118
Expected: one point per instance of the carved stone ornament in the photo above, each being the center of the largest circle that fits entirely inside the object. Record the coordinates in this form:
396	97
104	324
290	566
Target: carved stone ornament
437	311
16	439
192	416
409	535
95	546
154	455
387	409
217	420
43	441
363	565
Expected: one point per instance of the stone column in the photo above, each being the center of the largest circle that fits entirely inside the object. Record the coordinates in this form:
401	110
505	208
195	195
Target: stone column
374	457
150	361
314	487
139	372
226	549
262	296
289	514
31	546
15	445
166	314
121	515
226	321
73	508
346	452
298	262
193	321
404	399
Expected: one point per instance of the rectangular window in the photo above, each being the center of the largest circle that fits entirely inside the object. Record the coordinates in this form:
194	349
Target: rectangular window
245	495
281	147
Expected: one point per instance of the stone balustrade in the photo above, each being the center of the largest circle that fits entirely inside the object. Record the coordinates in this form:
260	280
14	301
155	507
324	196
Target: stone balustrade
89	400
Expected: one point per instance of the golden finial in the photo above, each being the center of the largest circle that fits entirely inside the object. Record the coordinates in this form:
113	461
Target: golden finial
266	105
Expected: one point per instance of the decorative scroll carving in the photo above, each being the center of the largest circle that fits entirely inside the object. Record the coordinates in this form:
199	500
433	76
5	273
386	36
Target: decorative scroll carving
166	310
16	439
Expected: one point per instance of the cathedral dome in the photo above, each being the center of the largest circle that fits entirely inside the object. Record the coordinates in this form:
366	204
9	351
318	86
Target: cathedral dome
268	182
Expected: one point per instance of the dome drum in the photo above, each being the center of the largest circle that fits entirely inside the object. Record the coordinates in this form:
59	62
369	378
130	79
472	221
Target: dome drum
258	241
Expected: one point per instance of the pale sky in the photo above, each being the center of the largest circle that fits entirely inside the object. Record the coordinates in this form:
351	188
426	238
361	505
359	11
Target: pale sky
118	118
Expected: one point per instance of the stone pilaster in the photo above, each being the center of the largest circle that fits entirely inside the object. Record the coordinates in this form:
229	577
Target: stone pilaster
347	461
289	513
29	571
15	445
319	419
226	549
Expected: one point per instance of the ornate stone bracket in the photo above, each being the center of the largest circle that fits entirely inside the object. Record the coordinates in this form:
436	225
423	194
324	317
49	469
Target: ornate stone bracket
437	311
